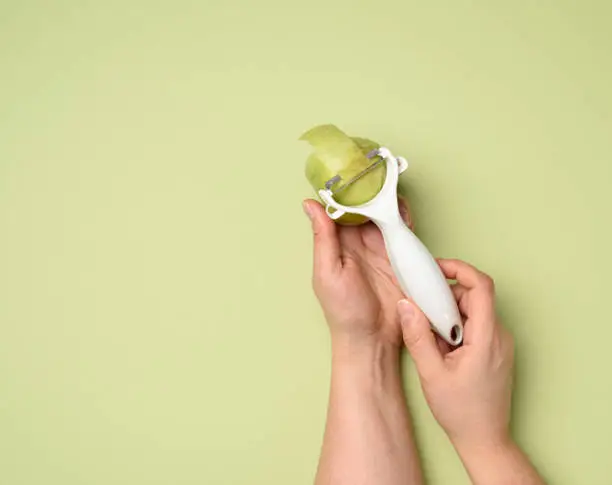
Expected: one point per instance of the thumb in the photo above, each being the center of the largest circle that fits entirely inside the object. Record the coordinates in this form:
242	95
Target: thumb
419	339
326	240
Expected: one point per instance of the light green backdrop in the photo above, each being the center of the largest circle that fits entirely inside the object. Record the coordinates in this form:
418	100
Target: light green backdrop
156	319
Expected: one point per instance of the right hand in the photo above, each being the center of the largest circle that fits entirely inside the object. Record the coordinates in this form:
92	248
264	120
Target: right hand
468	388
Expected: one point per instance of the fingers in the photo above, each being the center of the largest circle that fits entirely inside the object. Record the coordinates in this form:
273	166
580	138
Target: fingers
326	244
350	240
478	289
443	345
419	339
460	292
479	284
464	273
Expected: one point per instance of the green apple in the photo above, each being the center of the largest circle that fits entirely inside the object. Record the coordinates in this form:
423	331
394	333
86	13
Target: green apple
336	153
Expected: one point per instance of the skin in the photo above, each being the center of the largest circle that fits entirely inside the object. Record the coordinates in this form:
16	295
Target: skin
368	435
368	438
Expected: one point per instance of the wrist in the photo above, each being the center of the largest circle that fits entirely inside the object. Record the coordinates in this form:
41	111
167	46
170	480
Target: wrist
369	362
500	462
357	350
492	449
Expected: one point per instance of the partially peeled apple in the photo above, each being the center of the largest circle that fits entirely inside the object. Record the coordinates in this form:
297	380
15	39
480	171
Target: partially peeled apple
336	153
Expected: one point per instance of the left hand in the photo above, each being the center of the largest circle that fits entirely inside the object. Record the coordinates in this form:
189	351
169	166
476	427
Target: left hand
353	279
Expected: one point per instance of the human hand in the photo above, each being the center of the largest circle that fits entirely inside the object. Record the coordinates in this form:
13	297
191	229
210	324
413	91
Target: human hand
353	279
368	435
469	388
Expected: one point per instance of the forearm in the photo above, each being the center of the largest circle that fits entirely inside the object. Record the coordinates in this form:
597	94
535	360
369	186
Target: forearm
502	463
368	438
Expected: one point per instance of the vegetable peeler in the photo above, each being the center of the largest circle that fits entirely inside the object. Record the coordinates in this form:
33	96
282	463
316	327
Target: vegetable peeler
418	273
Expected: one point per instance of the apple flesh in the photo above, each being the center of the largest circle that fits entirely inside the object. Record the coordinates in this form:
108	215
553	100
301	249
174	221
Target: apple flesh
336	153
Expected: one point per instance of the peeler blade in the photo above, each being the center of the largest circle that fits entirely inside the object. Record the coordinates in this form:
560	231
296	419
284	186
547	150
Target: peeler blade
336	179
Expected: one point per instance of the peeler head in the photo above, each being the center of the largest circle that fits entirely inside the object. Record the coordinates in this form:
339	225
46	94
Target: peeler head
335	184
336	159
380	207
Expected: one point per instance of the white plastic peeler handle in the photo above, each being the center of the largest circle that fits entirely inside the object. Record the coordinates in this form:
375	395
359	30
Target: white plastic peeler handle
417	271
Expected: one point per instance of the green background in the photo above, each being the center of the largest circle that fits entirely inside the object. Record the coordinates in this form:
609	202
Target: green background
156	317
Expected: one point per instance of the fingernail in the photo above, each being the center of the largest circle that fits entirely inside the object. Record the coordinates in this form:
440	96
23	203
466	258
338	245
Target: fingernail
406	311
307	209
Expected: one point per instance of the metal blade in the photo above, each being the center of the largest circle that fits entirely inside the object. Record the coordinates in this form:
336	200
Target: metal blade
336	179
